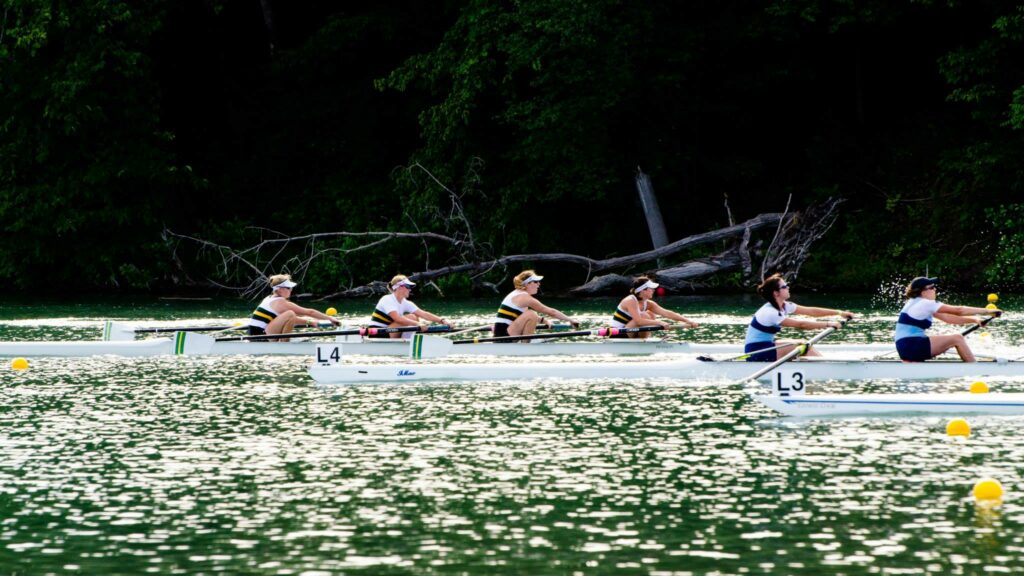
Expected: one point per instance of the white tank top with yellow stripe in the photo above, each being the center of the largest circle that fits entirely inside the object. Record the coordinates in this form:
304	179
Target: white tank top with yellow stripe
264	313
508	311
620	318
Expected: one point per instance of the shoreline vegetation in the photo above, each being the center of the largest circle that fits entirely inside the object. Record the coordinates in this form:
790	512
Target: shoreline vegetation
477	134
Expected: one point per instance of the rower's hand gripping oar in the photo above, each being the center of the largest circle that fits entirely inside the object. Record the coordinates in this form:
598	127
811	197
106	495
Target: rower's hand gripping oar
799	350
983	323
432	347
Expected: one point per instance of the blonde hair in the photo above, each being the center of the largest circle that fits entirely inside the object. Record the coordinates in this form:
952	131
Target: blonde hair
521	277
278	279
398	278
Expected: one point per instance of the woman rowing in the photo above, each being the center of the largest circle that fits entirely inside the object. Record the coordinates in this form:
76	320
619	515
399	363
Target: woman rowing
520	311
912	344
276	314
637	310
395	310
774	314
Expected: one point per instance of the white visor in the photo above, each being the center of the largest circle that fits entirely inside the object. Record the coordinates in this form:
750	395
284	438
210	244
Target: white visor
533	278
646	285
285	284
403	282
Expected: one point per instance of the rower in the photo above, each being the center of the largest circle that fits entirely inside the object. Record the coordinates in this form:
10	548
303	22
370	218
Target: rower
637	309
276	314
395	310
774	314
520	311
912	344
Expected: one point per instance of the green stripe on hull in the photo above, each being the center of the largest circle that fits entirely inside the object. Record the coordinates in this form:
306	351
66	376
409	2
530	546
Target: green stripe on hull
417	346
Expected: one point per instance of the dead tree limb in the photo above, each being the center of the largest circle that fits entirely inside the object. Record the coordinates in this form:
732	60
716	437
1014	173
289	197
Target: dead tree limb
797	235
245	270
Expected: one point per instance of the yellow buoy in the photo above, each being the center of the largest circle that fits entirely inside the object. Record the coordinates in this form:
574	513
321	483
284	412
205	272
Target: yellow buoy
331	312
958	427
988	489
19	364
993	298
979	387
991	306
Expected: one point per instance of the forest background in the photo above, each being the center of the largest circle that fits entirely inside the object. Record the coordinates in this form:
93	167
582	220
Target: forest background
223	119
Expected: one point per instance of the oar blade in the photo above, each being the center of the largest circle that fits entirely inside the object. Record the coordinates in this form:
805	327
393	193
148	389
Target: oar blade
192	344
423	346
117	332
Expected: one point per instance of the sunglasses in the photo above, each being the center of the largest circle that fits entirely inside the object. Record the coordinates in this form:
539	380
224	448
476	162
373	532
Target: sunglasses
783	286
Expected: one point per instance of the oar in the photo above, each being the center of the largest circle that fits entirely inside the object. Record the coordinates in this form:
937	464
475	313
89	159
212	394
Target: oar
598	332
347	332
188	329
401	329
479	328
983	323
743	356
423	346
799	350
964	333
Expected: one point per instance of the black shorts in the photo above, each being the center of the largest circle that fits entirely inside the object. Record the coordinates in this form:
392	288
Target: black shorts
767	356
500	329
378	334
914	349
257	331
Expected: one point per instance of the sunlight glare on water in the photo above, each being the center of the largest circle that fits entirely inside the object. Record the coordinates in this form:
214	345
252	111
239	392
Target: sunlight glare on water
244	465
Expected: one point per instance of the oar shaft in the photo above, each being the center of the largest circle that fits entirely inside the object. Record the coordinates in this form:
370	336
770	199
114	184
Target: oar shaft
976	326
401	329
186	329
799	350
528	337
350	332
598	332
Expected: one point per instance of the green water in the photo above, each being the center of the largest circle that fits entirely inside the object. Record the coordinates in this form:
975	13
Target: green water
242	465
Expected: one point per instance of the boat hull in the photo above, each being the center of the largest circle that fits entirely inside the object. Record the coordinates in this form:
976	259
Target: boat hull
370	347
690	369
864	404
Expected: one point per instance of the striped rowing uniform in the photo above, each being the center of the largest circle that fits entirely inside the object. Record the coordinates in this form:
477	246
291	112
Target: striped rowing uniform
507	313
766	323
262	316
912	343
621	317
381	317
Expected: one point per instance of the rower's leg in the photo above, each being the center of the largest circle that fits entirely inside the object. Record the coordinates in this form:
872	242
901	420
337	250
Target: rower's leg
283	324
525	325
787	347
942	343
634	324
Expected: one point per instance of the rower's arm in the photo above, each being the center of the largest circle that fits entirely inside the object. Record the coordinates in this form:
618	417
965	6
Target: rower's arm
956	318
535	304
819	312
967	310
398	318
431	317
310	312
665	313
810	324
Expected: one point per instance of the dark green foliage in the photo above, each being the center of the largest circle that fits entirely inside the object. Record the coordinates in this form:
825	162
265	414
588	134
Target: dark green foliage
119	119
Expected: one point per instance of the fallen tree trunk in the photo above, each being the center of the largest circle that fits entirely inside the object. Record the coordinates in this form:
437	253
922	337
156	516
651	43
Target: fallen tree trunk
794	233
676	278
594	265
